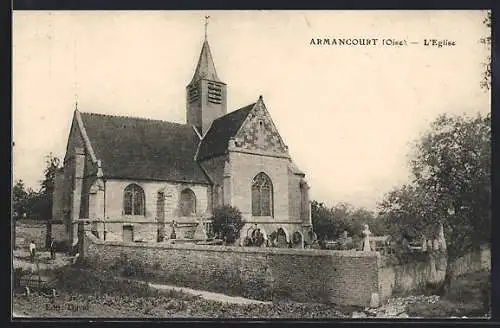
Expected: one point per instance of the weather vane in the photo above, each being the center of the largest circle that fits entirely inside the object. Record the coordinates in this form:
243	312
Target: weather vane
206	24
75	73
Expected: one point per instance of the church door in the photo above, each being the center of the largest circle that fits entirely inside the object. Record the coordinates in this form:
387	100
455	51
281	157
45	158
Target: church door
128	233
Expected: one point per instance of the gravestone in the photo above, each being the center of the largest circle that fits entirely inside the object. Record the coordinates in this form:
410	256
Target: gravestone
281	240
435	244
200	233
424	244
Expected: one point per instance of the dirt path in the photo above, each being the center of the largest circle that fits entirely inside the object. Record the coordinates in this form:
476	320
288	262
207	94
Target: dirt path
21	259
207	295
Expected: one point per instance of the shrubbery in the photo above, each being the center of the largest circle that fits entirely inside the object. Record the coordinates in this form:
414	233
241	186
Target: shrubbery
227	223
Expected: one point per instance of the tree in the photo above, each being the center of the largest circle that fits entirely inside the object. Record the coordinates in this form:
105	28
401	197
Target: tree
330	223
486	81
52	164
40	203
451	168
357	219
323	221
406	210
19	199
227	223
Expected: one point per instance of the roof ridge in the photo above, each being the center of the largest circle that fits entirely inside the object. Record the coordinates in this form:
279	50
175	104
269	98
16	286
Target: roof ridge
235	111
133	117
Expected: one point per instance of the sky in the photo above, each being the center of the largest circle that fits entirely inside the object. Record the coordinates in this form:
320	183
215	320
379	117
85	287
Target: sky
349	114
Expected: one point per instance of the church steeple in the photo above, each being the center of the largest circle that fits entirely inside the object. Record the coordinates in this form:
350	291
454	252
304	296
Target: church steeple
206	93
206	67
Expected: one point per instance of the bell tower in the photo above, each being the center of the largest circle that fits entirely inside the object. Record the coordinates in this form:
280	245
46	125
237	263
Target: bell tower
206	93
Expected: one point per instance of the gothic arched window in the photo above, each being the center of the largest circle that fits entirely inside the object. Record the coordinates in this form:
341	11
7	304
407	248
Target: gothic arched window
133	200
188	202
262	195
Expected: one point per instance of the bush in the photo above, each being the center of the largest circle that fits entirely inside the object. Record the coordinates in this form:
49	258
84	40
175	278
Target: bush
127	267
227	223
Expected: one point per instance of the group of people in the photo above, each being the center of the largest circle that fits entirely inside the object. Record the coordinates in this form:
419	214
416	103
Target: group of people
32	249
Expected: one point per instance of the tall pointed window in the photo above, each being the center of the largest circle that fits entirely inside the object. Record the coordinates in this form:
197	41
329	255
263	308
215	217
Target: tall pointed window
262	195
188	202
134	200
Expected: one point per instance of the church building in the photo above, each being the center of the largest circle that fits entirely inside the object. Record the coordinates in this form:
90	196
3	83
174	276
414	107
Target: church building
137	179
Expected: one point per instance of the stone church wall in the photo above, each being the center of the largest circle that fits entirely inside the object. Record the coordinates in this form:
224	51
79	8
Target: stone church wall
214	168
244	167
294	196
145	227
347	278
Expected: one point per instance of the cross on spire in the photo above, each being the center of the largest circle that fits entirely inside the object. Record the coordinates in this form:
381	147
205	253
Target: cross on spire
206	25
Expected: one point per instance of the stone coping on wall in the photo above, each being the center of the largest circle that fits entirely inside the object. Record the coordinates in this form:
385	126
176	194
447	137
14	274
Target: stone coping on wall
236	249
36	222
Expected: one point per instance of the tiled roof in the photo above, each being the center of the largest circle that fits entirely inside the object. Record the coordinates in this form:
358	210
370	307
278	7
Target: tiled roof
143	149
216	140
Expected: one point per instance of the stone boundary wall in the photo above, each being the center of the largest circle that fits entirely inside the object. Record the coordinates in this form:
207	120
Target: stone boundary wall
319	276
408	277
472	262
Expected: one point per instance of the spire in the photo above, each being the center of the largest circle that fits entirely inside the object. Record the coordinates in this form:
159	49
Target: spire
205	68
206	94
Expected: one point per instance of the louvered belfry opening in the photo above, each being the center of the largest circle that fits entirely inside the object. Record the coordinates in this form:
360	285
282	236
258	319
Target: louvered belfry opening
214	93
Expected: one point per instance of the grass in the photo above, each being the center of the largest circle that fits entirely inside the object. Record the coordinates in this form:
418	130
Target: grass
468	296
91	293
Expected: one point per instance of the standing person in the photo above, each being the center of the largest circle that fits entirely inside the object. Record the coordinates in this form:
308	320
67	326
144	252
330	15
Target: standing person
32	251
52	248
